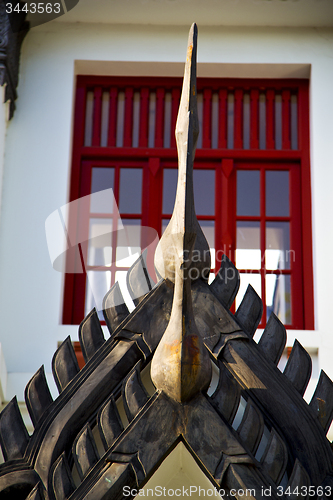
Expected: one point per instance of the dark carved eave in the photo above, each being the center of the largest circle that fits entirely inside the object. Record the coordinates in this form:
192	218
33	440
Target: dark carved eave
13	28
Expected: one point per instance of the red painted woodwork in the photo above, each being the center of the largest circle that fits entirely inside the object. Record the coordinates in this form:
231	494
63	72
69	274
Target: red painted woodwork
225	162
270	116
294	219
304	145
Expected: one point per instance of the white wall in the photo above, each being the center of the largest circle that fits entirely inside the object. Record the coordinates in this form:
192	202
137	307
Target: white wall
3	127
38	157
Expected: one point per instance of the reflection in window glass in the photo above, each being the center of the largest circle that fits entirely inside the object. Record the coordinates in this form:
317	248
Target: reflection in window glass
169	189
101	179
248	279
278	254
215	119
246	121
230	122
130	191
128	242
136	119
277	193
278	297
99	244
152	118
98	283
208	228
89	118
120	119
248	255
294	121
204	191
167	119
248	192
278	121
262	121
105	118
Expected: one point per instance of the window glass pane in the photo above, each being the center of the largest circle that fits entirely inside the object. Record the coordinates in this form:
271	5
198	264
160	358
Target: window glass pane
215	119
230	122
89	118
248	254
278	254
105	118
120	119
278	121
248	192
130	191
248	279
128	242
278	297
204	191
98	283
203	186
277	193
136	119
246	121
167	120
262	121
294	121
208	228
99	244
165	222
152	116
169	189
101	179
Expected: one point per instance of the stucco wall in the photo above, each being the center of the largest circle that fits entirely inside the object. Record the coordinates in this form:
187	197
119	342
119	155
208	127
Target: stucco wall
38	156
3	128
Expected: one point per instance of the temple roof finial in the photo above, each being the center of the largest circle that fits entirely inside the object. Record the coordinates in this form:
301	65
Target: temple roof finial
184	219
181	366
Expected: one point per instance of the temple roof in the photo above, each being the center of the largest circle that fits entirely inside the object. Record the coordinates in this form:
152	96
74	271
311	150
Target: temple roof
212	387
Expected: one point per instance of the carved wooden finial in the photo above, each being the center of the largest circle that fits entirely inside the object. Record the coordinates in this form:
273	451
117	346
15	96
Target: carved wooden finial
184	218
181	366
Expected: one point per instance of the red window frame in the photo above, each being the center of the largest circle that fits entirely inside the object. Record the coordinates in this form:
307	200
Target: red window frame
225	161
294	219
